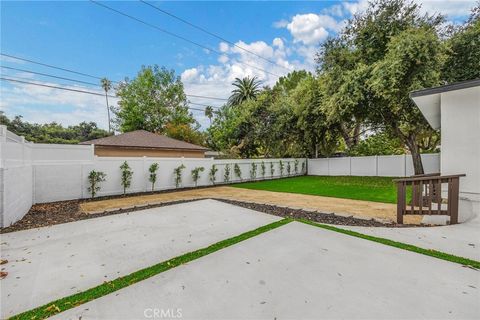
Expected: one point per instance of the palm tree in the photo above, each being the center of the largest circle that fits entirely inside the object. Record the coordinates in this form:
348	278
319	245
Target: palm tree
107	85
246	89
209	113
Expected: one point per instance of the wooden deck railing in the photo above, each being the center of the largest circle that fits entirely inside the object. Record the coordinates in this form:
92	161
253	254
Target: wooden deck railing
426	190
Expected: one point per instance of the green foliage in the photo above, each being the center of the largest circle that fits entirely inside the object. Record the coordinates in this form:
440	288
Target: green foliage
304	166
155	101
153	174
289	168
177	172
245	89
378	144
52	132
94	179
237	171
281	166
253	171
295	166
463	61
272	169
212	174
226	173
126	177
196	174
263	169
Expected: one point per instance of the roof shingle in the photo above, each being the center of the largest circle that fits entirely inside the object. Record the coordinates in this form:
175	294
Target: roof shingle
143	139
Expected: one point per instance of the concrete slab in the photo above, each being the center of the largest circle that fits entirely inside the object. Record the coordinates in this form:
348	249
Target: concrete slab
54	262
299	272
460	239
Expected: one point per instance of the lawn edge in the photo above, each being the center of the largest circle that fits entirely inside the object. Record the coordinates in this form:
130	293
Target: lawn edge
72	301
239	185
401	245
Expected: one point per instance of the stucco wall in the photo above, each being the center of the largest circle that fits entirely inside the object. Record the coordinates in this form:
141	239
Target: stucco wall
460	126
139	152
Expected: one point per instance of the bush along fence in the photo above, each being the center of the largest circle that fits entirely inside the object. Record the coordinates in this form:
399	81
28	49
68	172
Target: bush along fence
66	180
213	172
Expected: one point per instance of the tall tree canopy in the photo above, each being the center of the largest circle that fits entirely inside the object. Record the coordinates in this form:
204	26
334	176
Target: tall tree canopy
245	89
384	53
53	132
155	101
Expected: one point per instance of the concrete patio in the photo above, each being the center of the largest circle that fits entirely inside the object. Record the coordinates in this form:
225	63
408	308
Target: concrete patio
295	271
53	262
299	272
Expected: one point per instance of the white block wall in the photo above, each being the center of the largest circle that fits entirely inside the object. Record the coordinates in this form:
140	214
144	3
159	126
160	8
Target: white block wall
383	166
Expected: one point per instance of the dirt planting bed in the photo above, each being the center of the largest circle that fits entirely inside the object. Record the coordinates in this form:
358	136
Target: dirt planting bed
47	214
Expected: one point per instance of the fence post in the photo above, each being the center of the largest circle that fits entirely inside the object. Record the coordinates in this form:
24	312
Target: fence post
400	201
453	191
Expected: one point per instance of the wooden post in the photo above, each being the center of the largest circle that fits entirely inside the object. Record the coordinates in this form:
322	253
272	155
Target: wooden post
453	191
400	201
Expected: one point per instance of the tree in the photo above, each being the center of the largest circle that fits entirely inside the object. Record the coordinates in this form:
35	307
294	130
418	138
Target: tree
463	61
151	101
196	174
245	89
107	85
209	113
386	52
126	176
94	180
153	174
53	132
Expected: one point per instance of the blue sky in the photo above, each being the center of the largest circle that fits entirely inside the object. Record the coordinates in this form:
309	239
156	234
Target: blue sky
88	38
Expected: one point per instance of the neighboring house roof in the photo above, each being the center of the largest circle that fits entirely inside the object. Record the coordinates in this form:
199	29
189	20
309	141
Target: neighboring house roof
428	100
144	139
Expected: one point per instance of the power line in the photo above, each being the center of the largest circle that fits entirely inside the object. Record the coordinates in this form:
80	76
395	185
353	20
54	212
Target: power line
51	76
80	81
10	79
211	33
175	35
54	67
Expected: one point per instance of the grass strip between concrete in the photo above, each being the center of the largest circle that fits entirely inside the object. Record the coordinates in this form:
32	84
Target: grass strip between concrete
80	298
428	252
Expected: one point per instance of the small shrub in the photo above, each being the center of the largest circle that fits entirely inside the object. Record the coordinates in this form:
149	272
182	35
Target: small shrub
178	175
253	171
289	168
281	165
238	171
262	169
295	166
213	173
153	174
127	174
94	179
272	169
196	174
226	174
303	167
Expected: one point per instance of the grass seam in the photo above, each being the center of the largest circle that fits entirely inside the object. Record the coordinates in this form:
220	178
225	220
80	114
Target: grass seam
74	300
392	243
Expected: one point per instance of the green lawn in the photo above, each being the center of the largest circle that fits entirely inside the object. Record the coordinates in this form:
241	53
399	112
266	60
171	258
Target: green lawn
378	189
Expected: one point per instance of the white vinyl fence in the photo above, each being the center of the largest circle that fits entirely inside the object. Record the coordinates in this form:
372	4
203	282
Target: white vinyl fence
38	173
382	166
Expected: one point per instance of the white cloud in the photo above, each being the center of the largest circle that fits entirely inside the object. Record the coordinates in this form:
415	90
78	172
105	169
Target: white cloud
280	24
311	28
